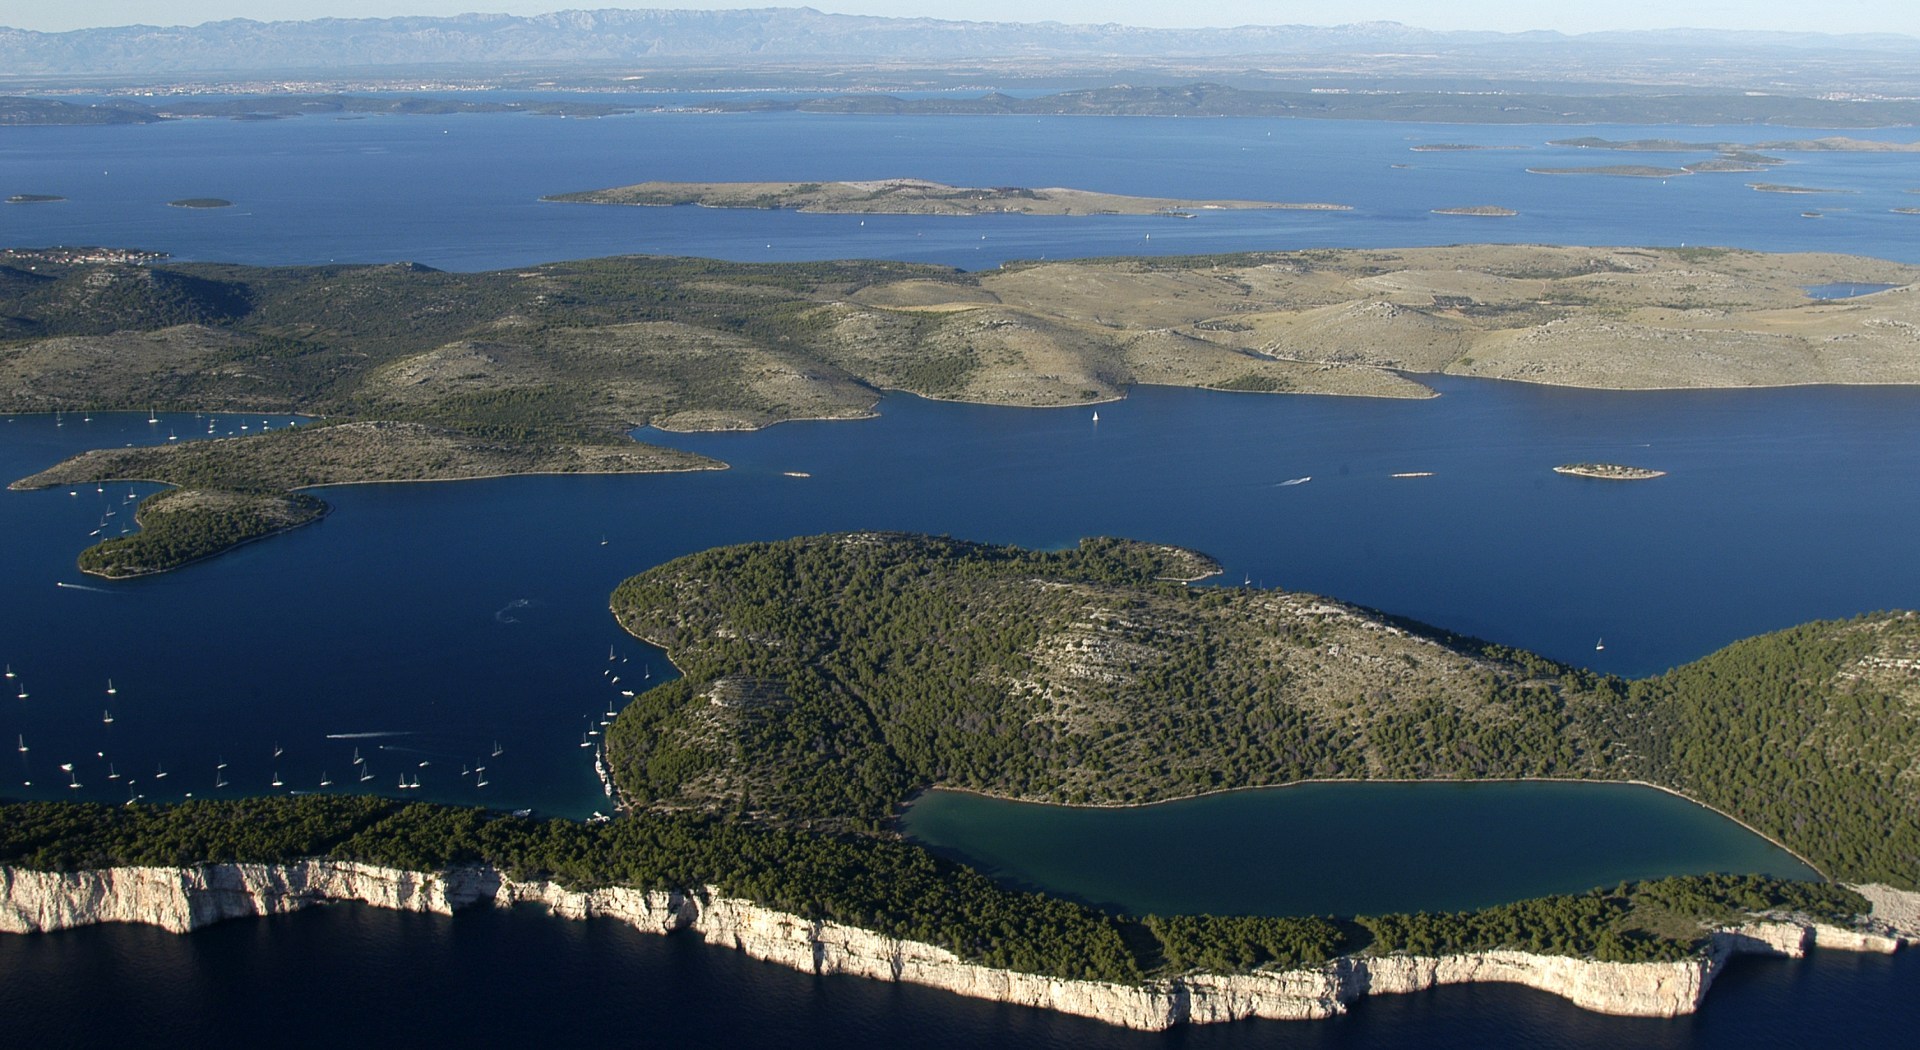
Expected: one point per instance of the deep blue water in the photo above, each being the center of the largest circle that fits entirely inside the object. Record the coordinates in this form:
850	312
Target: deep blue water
465	614
461	614
353	976
462	192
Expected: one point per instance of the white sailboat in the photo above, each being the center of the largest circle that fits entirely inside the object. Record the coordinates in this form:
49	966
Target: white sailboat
106	718
159	771
1600	645
497	749
1096	416
365	774
23	743
276	779
10	671
112	773
325	780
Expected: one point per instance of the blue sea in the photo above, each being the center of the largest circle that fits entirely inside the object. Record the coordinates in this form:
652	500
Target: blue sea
431	626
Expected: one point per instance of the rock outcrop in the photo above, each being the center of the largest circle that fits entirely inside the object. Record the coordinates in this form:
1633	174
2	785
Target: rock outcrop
184	899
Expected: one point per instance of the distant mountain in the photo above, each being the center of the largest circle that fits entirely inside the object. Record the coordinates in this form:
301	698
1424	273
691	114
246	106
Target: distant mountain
791	34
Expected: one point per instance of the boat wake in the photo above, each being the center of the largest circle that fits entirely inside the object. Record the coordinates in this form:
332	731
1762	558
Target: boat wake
1294	481
363	736
81	587
505	614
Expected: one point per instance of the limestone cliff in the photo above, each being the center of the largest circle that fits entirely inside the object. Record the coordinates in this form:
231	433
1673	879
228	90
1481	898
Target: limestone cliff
183	899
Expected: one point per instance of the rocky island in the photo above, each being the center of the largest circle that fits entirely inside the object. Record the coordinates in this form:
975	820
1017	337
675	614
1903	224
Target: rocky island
1486	210
34	198
1609	471
201	203
908	197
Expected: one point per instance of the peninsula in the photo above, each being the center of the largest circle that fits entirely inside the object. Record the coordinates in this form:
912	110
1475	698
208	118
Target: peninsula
826	678
577	354
909	197
232	491
1609	471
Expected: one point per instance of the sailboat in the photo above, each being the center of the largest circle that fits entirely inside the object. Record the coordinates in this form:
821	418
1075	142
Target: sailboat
106	718
23	743
584	742
497	749
357	760
482	782
1096	416
277	752
23	690
365	774
1600	645
219	778
276	779
159	771
609	654
153	414
9	670
325	780
112	773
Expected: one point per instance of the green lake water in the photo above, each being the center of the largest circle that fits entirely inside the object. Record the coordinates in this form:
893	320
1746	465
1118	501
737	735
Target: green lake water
1345	849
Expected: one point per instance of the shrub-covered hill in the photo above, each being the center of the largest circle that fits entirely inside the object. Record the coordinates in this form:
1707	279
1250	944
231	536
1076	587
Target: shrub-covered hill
827	679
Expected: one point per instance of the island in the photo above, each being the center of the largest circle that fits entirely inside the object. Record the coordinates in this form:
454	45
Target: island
1609	471
1632	171
909	197
34	198
826	679
232	491
200	203
1775	187
1486	210
574	355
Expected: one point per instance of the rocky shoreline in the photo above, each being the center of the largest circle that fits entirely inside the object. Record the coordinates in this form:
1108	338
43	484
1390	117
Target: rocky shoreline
184	899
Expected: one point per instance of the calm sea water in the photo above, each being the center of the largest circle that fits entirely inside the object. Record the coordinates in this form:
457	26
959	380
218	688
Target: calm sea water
463	192
1344	849
460	616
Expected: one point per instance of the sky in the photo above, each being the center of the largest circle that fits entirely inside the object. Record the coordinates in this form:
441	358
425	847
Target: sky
1833	16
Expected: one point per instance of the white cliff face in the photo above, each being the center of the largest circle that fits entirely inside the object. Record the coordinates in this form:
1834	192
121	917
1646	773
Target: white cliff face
183	899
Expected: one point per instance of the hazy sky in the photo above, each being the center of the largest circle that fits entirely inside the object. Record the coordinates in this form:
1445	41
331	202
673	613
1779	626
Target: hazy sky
1837	16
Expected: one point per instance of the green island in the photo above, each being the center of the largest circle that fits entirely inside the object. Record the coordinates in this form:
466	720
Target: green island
1486	210
909	197
34	198
565	359
200	202
1609	471
826	680
232	491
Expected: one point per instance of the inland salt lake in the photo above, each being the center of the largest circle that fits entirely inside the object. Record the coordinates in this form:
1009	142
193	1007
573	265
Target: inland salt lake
438	623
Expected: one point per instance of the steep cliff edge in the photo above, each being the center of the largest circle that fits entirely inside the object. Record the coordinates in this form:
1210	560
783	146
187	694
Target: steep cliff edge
184	899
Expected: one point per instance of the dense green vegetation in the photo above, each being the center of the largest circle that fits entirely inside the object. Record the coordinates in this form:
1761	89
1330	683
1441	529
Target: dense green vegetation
827	679
186	525
891	887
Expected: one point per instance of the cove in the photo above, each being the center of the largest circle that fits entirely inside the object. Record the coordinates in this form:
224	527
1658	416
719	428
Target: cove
1344	849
